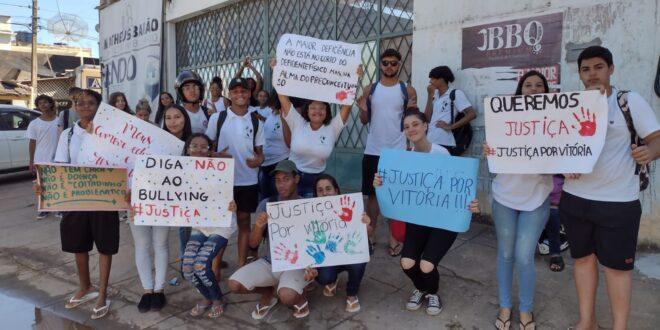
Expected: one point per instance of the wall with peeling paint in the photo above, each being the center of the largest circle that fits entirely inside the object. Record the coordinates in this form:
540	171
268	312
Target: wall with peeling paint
630	29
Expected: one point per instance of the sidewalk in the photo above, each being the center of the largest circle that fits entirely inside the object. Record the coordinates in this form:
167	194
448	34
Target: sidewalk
33	268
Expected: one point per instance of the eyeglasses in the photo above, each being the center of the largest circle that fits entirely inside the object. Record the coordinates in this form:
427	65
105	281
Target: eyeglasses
195	147
389	63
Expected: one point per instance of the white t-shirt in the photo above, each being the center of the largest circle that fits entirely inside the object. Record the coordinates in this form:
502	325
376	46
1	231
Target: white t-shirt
219	104
522	192
613	178
69	153
385	125
198	121
437	149
45	133
237	134
442	111
310	149
275	149
225	232
265	112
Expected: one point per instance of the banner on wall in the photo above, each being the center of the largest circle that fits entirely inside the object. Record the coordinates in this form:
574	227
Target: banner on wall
545	133
130	49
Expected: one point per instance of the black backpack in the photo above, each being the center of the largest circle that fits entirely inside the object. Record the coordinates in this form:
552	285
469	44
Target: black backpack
463	134
642	171
222	116
404	90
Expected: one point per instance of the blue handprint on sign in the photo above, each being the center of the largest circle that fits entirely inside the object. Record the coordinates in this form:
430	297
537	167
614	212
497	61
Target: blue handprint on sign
316	253
352	241
333	241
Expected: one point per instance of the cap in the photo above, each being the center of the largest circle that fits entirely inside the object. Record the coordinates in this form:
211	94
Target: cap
236	82
285	166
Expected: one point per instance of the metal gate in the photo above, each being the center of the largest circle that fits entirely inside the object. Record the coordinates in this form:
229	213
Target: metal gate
215	43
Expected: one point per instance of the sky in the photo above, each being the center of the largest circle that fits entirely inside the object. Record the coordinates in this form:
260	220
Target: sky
21	13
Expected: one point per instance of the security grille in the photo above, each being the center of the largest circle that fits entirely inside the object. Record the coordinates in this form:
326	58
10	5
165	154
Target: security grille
216	42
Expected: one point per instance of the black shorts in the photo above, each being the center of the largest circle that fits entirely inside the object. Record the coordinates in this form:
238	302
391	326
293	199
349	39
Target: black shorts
369	169
607	229
246	198
80	230
427	243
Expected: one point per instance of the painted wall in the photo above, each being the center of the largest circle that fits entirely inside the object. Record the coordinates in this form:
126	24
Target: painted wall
630	29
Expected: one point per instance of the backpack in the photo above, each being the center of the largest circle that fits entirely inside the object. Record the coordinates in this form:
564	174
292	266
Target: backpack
205	110
404	90
65	123
222	116
641	170
463	134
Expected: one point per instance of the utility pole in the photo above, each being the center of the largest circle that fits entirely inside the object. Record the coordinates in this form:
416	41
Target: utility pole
35	27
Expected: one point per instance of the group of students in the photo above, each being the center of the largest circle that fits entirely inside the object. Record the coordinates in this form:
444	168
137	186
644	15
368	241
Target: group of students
281	145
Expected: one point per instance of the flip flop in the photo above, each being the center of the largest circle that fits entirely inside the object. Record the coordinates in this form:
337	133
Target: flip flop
199	310
531	323
298	313
98	313
395	250
503	324
257	313
557	261
331	289
353	306
215	312
73	302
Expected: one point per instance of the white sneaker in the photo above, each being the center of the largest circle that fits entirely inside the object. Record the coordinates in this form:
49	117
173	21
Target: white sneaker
415	300
544	248
434	305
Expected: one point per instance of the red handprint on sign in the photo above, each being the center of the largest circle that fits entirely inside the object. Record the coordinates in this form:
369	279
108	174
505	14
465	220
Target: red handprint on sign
346	209
341	96
587	123
284	253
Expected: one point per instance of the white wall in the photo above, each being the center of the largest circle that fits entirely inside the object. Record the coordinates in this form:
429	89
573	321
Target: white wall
630	29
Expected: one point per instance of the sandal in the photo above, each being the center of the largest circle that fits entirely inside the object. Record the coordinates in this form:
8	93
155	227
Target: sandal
531	323
98	313
330	289
73	302
301	311
215	311
395	250
262	311
503	324
556	264
199	309
353	306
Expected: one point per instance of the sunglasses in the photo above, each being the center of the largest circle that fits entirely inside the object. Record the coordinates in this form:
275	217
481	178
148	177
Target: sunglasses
389	63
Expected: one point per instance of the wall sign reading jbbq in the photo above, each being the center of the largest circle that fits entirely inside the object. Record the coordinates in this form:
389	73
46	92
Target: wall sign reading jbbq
534	41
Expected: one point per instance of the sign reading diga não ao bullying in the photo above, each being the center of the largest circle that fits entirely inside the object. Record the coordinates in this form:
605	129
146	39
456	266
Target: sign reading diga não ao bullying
316	69
80	188
182	191
317	232
545	133
427	189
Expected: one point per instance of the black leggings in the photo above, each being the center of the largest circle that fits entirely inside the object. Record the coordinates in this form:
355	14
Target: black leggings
428	244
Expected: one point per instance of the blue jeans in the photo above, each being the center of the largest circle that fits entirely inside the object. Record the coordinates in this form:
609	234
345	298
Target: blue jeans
197	263
328	275
517	235
306	185
552	229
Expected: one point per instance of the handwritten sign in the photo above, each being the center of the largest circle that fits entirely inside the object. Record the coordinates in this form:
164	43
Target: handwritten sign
545	133
182	191
79	188
316	69
324	231
427	189
119	138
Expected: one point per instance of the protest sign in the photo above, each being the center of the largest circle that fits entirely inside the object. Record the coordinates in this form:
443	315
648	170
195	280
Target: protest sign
545	133
427	189
316	69
78	188
120	137
317	232
182	191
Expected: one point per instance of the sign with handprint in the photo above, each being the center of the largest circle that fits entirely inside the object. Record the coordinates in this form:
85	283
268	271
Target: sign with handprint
545	133
317	69
318	232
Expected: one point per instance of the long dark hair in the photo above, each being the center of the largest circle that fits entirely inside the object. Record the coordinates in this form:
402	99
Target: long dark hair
328	112
160	113
324	176
274	102
114	98
546	88
192	137
187	128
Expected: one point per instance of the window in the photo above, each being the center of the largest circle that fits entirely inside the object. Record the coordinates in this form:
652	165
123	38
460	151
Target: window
15	121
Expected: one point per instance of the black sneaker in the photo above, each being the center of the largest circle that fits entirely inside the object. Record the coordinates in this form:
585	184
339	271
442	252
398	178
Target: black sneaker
415	300
434	304
145	302
158	301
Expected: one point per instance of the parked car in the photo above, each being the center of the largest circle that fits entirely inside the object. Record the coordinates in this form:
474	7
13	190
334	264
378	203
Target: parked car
14	121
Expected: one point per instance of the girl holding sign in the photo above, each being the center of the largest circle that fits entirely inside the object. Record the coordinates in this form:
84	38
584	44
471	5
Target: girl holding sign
326	185
313	136
520	210
424	246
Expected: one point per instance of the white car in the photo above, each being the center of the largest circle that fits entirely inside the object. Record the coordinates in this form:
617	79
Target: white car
14	121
